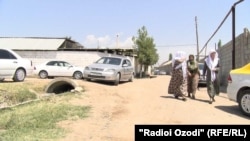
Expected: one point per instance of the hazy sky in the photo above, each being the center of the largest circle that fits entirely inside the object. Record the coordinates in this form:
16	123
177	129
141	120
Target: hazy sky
106	22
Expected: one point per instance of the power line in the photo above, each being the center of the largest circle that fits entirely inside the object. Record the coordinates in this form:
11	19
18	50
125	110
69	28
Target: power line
216	30
175	45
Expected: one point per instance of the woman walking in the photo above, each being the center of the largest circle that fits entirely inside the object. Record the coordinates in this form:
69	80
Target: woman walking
211	67
178	78
193	76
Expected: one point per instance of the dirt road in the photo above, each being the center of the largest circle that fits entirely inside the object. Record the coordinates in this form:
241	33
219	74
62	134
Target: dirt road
116	109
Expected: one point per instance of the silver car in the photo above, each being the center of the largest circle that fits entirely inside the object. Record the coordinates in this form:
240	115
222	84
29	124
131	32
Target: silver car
202	79
114	69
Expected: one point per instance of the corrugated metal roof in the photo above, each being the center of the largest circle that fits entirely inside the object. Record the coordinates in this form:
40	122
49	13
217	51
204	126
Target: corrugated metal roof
31	43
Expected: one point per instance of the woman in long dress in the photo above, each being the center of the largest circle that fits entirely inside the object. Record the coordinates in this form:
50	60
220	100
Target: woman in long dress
193	76
211	68
179	76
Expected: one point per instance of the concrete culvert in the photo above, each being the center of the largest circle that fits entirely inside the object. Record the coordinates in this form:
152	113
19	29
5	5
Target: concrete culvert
61	85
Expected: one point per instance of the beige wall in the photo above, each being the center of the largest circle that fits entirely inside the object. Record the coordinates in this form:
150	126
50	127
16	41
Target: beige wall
242	55
77	58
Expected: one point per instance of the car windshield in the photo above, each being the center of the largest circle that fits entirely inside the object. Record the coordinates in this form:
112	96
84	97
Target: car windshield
109	60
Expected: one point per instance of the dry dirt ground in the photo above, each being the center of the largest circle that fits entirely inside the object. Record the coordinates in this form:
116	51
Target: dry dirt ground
117	109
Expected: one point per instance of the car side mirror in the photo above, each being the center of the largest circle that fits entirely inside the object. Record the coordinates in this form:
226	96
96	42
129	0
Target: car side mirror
125	65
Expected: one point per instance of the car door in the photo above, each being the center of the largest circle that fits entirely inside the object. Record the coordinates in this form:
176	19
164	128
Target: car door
8	63
123	69
66	69
53	68
129	69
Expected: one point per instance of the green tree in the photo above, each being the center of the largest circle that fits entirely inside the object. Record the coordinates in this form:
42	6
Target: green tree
219	44
170	57
146	51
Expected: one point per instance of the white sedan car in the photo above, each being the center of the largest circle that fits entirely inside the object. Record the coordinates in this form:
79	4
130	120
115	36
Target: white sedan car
57	68
238	89
13	66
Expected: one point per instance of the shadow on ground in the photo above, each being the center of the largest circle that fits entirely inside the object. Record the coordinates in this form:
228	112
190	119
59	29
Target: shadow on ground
172	97
234	110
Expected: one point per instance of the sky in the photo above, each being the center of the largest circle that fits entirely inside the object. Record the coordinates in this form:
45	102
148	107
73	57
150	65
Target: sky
113	23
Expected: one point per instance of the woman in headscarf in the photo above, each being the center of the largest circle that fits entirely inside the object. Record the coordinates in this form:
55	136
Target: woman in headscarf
211	67
193	76
179	75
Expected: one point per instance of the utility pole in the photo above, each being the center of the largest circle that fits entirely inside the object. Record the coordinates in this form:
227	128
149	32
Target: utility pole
117	41
98	46
233	33
197	40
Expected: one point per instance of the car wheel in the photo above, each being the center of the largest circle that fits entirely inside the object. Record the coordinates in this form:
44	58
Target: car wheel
43	74
131	78
117	79
77	75
244	102
19	75
88	79
1	79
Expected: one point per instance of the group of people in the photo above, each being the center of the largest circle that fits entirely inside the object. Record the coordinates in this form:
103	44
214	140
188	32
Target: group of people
185	75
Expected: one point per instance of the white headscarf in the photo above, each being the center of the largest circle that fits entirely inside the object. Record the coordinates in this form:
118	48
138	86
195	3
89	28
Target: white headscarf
212	63
180	55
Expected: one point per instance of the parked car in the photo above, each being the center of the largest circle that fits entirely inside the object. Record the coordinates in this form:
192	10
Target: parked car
162	72
114	69
156	72
13	66
238	88
58	68
202	79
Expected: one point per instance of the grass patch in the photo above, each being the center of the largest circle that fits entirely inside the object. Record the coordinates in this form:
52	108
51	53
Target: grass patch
38	120
15	94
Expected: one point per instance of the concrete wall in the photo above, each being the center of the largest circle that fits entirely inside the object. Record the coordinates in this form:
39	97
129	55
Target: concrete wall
77	58
242	55
166	67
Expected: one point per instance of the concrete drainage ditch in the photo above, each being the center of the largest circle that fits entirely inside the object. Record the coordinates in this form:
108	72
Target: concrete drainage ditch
62	85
